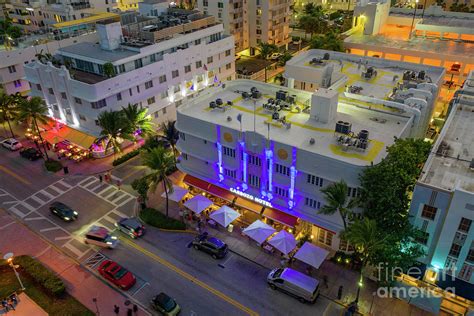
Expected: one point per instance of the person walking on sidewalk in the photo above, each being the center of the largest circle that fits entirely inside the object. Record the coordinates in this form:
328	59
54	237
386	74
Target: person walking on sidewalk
116	309
135	309
119	184
100	178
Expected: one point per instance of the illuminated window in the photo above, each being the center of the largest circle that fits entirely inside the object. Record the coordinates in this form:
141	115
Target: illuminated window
465	225
429	212
259	12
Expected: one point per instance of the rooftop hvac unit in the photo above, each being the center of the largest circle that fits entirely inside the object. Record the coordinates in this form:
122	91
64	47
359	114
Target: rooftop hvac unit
212	105
343	127
363	134
275	116
281	95
245	95
326	56
256	94
312	141
292	99
219	101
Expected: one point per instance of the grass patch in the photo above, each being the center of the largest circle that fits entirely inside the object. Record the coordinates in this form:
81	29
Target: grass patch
66	305
155	218
53	165
126	157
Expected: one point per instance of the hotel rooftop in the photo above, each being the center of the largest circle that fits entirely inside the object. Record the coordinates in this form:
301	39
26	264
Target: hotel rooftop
451	163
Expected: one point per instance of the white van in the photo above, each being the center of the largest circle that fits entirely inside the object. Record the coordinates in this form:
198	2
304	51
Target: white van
99	236
295	283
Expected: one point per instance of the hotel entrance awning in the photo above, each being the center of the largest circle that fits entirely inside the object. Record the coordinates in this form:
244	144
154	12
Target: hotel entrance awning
70	134
280	217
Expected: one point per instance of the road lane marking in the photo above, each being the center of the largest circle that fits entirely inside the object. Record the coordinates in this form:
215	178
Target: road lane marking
63	238
18	213
28	206
76	251
5	226
48	229
43	252
190	277
37	199
14	175
140	288
59	191
34	219
9	202
47	194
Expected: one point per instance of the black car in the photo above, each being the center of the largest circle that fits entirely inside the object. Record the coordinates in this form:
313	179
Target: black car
165	305
131	226
63	211
30	153
215	247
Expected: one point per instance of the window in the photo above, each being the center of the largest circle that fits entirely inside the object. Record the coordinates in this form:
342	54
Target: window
99	104
157	114
130	91
226	151
312	203
219	15
63	95
423	237
174	73
429	212
259	32
17	83
325	237
184	156
176	88
82	117
254	181
228	66
254	160
353	192
162	78
121	68
259	12
119	96
281	192
38	87
182	136
227	52
11	69
198	64
205	3
455	250
209	60
466	272
55	107
230	173
465	225
220	5
138	63
138	89
187	69
164	110
152	58
78	101
68	111
164	94
149	84
197	42
317	181
284	170
470	254
50	90
345	246
150	100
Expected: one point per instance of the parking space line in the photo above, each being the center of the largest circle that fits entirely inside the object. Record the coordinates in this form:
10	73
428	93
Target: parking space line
18	213
47	194
39	218
28	206
76	251
5	226
140	288
37	199
48	229
43	251
63	238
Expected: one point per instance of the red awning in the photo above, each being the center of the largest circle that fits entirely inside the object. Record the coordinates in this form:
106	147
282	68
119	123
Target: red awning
280	217
196	182
220	192
255	207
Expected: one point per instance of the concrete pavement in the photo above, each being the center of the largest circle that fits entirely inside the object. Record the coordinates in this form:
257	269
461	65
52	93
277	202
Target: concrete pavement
25	307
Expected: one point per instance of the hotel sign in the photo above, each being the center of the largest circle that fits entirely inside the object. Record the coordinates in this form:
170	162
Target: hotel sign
251	197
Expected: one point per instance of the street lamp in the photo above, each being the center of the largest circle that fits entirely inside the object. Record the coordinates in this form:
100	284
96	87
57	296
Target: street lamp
359	286
413	20
9	258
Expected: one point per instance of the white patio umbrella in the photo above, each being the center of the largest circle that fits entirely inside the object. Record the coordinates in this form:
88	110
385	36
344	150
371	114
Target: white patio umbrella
259	231
283	241
177	194
198	203
225	215
312	254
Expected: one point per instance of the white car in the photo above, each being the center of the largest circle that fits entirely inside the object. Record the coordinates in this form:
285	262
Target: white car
275	56
11	144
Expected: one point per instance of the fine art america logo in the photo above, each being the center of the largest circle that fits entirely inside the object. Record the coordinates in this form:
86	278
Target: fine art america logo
405	291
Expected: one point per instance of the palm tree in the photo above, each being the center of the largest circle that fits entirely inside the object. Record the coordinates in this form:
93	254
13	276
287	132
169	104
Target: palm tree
138	120
161	162
171	135
33	110
8	109
329	41
336	196
114	128
266	50
9	31
367	239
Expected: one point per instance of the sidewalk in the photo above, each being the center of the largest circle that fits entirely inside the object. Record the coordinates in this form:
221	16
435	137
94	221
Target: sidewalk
25	307
80	282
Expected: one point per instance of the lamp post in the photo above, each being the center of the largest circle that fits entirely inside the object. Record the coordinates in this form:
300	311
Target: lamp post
413	20
423	12
359	286
9	258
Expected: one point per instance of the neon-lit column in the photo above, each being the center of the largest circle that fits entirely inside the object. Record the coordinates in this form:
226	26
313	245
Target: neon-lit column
219	154
243	165
269	158
293	173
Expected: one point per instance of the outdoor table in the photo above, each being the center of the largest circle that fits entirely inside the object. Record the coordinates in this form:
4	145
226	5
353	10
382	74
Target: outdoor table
68	154
268	248
77	157
212	223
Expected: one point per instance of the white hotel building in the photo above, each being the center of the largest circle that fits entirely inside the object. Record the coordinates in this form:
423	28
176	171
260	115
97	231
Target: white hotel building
158	64
275	168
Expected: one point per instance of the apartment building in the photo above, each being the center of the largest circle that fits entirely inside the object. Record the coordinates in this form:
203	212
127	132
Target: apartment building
270	149
431	37
156	63
327	4
442	206
252	21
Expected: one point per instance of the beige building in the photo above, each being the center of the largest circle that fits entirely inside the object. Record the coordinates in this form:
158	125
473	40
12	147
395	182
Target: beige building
251	21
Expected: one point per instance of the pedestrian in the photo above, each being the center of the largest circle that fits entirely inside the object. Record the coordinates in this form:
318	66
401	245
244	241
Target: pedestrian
119	184
10	305
100	178
129	312
135	309
116	309
5	305
14	299
325	281
199	224
309	270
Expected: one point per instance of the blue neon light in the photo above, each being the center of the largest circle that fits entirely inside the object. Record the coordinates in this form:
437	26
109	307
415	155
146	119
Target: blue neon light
219	155
293	173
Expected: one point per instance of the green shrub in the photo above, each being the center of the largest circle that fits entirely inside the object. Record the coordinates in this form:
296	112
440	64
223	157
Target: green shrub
42	275
53	165
141	185
126	157
155	218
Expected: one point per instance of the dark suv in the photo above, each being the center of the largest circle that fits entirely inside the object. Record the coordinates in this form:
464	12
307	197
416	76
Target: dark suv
131	226
213	246
30	153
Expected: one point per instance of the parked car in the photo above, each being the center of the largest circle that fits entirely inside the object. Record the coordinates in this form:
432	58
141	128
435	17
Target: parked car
294	283
213	246
275	56
116	274
131	226
63	211
165	305
30	153
11	143
100	236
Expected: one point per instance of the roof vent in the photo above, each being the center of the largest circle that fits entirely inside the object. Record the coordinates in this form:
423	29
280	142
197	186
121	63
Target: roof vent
312	141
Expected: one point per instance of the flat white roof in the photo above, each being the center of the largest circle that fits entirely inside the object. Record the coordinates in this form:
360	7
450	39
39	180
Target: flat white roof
381	126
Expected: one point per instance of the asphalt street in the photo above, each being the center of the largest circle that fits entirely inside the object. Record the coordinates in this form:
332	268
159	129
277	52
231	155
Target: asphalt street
162	261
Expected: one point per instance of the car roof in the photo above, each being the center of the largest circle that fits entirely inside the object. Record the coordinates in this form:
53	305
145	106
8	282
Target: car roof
131	221
299	279
98	231
161	299
213	240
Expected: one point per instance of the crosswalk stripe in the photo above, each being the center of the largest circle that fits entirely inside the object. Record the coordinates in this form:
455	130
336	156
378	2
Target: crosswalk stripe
90	183
109	219
56	189
103	191
63	238
76	251
17	212
126	201
48	229
28	206
47	194
86	180
112	194
96	187
37	199
119	213
34	219
64	184
119	198
9	202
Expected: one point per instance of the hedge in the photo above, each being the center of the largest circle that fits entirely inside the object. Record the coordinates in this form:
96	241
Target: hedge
126	157
155	218
53	165
42	275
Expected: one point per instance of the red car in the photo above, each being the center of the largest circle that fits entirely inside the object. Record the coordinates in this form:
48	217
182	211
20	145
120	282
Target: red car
117	274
